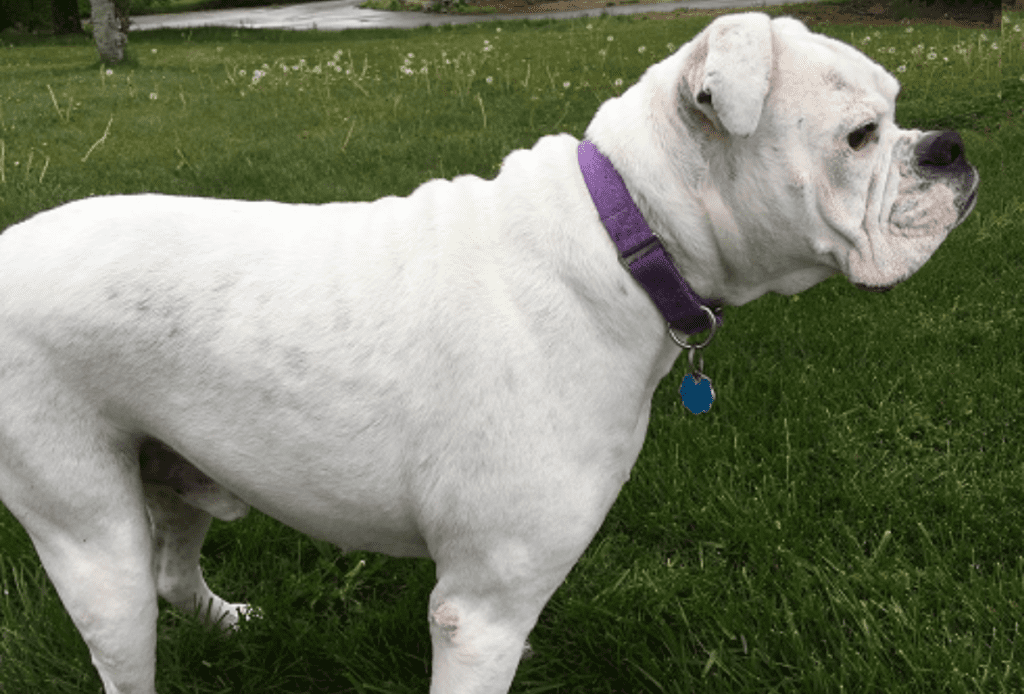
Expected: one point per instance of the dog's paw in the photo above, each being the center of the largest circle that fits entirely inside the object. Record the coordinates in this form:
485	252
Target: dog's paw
227	616
238	612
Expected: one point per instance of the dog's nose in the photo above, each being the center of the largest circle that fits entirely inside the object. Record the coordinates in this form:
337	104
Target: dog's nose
940	149
941	153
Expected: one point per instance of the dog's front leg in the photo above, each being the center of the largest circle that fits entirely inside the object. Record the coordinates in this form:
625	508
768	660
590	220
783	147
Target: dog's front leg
479	625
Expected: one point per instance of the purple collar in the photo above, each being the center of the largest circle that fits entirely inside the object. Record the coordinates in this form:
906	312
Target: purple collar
640	251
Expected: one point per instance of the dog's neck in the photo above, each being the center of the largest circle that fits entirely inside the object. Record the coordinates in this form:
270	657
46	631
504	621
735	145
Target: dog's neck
640	251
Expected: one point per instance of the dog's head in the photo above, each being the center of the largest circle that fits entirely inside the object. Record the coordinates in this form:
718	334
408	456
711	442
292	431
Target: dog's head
771	160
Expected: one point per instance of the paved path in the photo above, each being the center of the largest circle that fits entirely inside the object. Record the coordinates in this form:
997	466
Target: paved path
345	14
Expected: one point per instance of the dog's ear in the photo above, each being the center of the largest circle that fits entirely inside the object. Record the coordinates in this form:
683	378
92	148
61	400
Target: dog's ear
729	70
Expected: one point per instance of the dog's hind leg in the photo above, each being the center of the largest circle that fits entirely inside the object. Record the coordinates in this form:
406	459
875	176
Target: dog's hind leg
178	532
181	500
84	511
71	478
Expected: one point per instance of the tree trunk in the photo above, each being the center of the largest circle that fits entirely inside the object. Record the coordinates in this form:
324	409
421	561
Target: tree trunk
65	17
108	30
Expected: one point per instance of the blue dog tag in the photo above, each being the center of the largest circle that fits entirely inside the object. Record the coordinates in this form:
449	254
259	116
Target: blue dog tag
697	393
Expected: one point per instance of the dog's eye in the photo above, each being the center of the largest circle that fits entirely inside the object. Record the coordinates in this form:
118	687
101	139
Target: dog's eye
859	137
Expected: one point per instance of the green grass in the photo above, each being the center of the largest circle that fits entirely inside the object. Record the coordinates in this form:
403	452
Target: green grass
849	515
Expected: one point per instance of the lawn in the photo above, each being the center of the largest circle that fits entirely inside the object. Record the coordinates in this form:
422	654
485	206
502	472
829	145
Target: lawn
848	517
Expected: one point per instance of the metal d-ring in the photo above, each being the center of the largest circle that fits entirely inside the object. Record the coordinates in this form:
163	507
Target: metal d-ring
686	345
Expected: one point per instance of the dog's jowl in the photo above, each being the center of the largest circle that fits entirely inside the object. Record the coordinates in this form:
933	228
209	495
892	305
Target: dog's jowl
464	374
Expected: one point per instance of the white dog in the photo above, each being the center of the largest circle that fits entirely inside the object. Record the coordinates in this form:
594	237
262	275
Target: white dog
463	374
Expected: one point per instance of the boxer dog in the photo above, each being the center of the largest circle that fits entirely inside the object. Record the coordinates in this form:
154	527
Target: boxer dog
463	374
